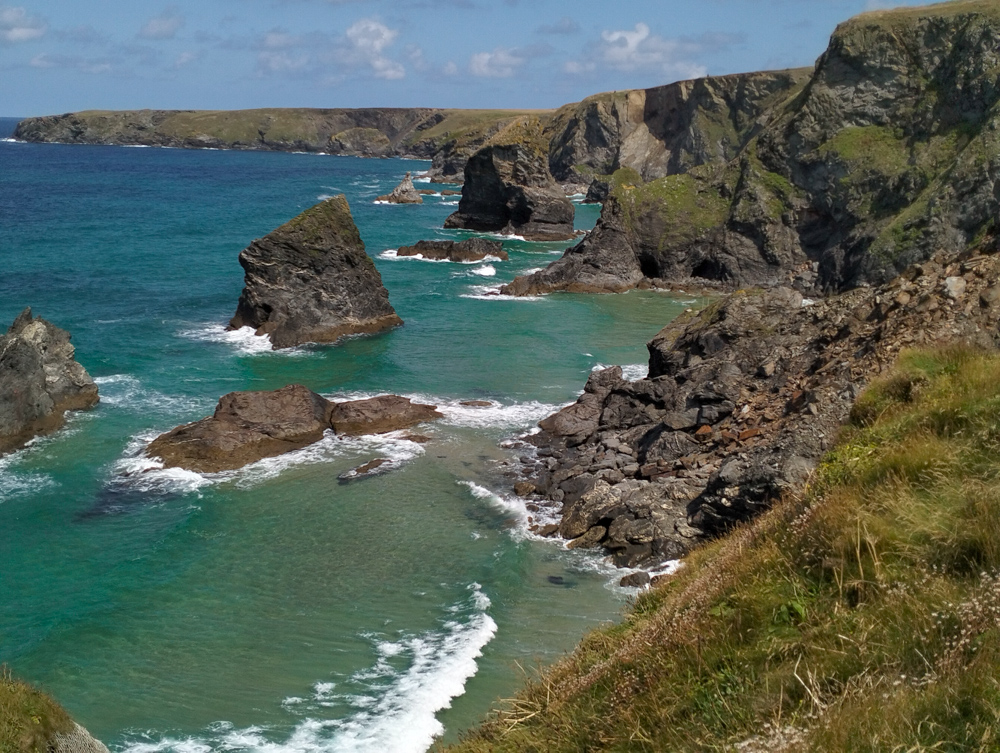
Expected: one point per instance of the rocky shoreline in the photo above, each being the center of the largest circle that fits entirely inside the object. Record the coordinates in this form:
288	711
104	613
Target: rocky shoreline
741	401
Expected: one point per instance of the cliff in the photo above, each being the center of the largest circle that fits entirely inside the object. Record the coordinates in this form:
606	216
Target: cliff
889	153
31	722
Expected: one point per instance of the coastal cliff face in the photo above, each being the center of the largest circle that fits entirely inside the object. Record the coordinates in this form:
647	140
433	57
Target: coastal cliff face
889	153
665	130
39	381
311	281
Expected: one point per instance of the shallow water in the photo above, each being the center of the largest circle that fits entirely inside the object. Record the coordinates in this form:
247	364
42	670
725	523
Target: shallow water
276	608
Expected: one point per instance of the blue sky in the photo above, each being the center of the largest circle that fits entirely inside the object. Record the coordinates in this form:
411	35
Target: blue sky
63	55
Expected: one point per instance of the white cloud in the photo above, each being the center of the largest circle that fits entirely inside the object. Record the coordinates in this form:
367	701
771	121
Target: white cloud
365	43
184	58
270	61
450	69
639	49
17	26
95	67
164	26
564	25
501	63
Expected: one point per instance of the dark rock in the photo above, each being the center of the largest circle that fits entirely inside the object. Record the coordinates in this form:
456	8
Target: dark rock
361	142
39	381
524	488
311	281
598	191
368	469
477	403
603	262
635	580
508	189
469	250
379	415
404	193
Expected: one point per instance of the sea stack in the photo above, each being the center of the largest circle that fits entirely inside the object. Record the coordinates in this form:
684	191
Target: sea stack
311	281
404	193
508	189
39	381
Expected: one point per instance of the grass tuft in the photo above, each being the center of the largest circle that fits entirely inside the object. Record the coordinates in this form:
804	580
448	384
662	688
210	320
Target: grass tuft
29	720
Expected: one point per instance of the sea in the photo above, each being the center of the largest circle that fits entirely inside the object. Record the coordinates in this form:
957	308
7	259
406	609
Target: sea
277	608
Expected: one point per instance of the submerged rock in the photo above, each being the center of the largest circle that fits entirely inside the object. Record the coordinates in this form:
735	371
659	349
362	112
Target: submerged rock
508	189
469	250
39	381
250	426
404	193
311	281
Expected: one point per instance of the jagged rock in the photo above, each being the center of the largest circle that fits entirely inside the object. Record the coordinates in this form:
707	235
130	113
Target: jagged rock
311	281
766	380
635	580
508	189
249	426
404	193
39	381
469	250
371	468
603	262
379	415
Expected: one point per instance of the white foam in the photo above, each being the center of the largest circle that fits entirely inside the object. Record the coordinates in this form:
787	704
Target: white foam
243	339
391	709
139	472
449	203
630	371
126	391
15	483
516	416
492	293
485	271
13	141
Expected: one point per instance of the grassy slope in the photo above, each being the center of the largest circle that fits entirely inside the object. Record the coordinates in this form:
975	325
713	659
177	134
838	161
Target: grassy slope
28	718
863	616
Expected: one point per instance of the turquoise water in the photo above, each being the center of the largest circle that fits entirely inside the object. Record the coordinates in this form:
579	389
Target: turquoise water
275	608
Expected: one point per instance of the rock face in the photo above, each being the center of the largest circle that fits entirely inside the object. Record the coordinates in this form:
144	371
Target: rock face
404	193
888	154
311	281
508	189
39	381
469	250
361	142
740	403
249	426
665	130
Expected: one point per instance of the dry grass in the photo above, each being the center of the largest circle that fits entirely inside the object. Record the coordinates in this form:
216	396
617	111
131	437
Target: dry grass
864	615
29	719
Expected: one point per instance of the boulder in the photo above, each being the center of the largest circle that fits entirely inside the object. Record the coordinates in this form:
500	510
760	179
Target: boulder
469	250
311	281
39	381
249	426
246	427
508	189
404	193
379	415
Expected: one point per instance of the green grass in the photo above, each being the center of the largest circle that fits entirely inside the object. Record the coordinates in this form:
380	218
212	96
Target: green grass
29	720
865	613
938	10
683	206
870	148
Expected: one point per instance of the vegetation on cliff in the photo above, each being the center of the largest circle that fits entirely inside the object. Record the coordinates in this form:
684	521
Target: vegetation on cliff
29	719
861	615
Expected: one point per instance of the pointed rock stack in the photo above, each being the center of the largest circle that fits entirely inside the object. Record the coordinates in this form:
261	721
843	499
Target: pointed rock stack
39	381
404	193
311	281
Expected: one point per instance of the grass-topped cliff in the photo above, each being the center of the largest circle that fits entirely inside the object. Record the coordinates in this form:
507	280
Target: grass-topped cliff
887	153
29	719
861	615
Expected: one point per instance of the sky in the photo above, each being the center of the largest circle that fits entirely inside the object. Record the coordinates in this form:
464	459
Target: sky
65	55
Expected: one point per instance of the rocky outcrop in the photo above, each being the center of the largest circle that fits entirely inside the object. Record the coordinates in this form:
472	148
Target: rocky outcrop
888	154
311	281
469	250
39	381
740	403
665	130
603	262
249	426
508	189
404	193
